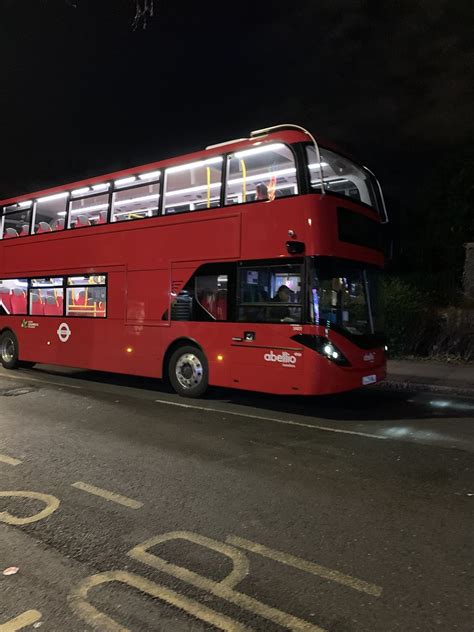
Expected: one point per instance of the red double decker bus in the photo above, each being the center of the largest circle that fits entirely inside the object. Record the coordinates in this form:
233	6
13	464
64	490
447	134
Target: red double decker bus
253	264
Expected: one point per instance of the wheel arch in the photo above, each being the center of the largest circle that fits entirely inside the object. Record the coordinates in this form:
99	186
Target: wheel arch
7	328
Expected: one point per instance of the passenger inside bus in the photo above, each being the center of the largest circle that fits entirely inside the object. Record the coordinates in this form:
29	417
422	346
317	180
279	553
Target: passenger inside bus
261	191
283	296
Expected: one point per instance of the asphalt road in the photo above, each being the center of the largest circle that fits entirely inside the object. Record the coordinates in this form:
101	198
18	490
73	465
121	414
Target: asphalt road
125	507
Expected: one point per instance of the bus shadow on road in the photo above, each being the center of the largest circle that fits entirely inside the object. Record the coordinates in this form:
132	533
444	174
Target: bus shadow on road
360	405
369	404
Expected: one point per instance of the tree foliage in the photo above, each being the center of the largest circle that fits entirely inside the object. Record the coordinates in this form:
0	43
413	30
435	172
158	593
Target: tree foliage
435	226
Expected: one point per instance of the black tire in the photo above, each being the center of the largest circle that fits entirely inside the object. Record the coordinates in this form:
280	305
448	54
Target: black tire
9	350
188	371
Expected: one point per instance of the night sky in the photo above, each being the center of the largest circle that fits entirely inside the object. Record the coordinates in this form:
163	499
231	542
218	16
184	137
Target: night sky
82	94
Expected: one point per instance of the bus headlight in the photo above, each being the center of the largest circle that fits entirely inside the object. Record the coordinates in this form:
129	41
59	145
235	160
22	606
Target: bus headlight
324	347
331	352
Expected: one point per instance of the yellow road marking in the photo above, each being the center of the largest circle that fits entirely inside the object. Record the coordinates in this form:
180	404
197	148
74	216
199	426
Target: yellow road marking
100	621
21	621
51	502
112	496
9	460
305	565
287	422
220	589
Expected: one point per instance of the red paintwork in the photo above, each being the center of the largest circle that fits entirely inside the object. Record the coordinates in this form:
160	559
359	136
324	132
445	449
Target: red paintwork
143	258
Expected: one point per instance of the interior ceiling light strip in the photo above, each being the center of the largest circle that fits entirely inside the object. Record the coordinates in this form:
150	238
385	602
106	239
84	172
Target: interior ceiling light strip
262	149
194	165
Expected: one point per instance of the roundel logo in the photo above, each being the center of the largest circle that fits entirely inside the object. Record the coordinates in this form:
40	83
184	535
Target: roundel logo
64	332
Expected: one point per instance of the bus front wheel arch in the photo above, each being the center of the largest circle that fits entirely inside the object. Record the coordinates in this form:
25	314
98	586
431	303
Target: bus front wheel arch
187	369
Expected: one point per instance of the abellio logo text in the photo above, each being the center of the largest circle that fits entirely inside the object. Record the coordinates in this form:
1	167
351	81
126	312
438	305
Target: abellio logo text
284	358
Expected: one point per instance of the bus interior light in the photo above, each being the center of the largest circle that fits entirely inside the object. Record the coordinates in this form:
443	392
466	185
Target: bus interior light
95	207
150	175
262	176
317	165
50	198
24	204
123	181
100	187
201	187
80	191
262	149
194	165
135	200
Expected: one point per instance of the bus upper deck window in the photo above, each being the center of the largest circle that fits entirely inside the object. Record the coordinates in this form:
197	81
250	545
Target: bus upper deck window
136	203
89	210
342	177
263	172
193	186
17	219
50	213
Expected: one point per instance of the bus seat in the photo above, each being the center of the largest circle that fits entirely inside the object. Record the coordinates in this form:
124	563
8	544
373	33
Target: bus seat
25	230
53	307
221	305
81	298
57	224
18	299
208	302
102	217
10	233
82	220
77	304
5	299
43	227
36	305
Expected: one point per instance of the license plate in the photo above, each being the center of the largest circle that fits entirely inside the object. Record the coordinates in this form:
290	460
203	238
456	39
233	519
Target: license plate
369	379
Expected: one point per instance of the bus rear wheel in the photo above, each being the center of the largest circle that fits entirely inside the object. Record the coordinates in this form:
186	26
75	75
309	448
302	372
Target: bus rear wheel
9	350
188	371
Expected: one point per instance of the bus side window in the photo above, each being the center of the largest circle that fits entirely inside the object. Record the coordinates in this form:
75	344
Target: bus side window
203	298
261	173
136	203
15	221
48	213
87	297
211	294
88	211
194	186
13	296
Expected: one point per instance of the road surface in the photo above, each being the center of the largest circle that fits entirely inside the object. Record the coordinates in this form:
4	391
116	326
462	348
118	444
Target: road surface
124	507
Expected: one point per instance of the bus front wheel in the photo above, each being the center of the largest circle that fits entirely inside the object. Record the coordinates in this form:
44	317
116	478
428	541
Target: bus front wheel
188	371
9	350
